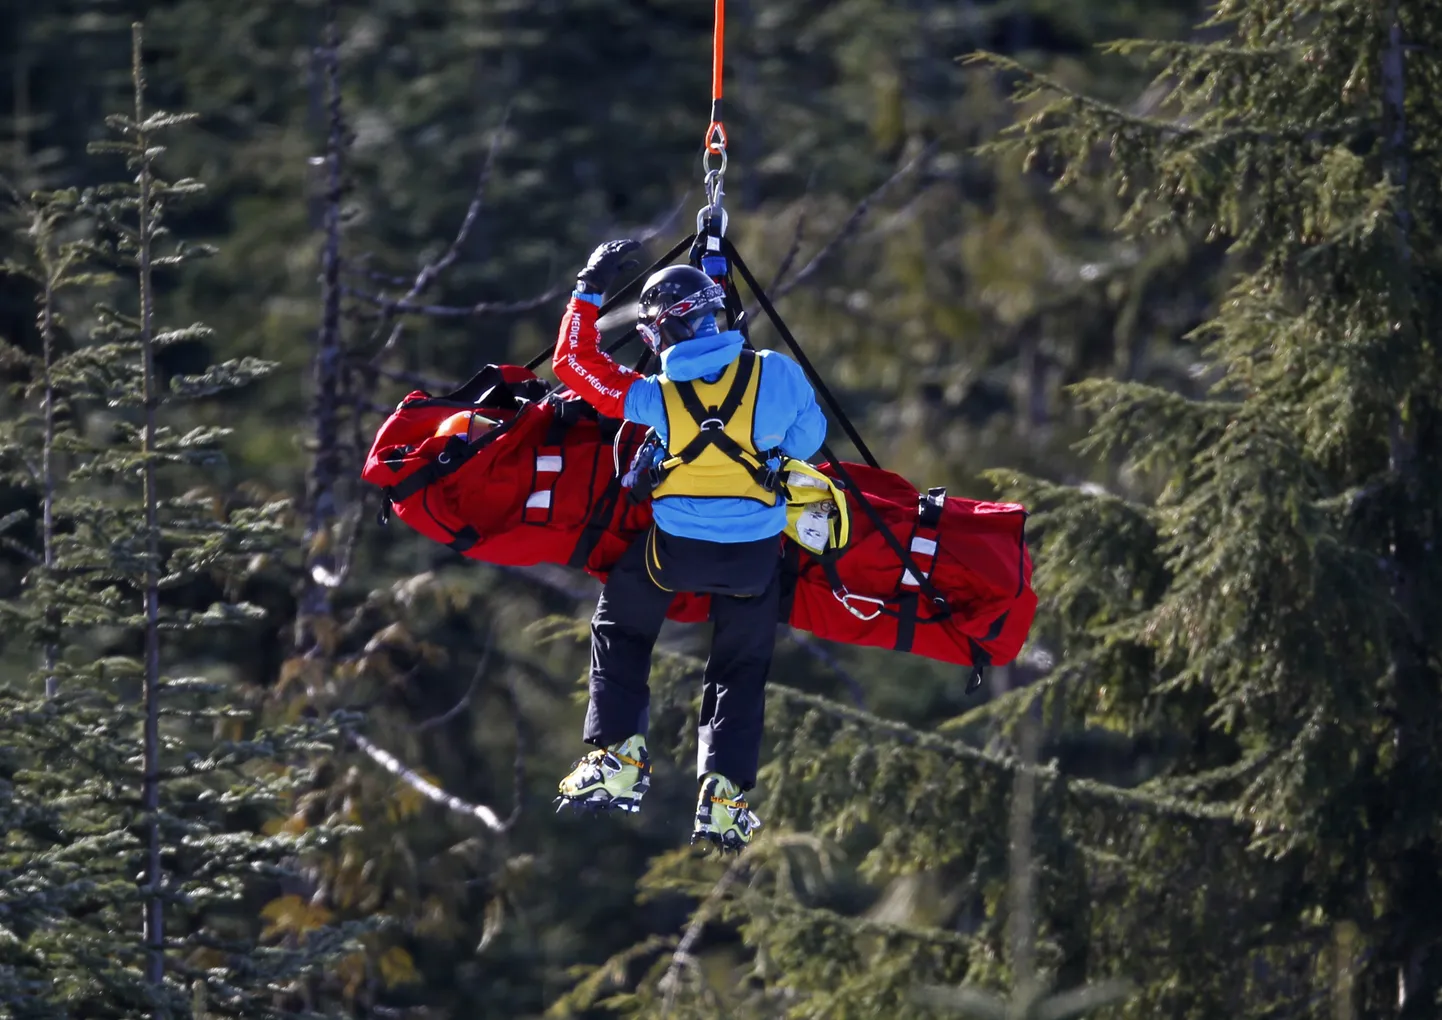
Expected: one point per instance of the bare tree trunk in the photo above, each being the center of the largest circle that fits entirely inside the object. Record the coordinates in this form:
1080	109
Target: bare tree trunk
1022	922
154	918
329	356
47	480
1413	931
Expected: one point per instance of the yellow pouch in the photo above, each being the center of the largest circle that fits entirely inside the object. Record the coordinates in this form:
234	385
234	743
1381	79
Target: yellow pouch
817	517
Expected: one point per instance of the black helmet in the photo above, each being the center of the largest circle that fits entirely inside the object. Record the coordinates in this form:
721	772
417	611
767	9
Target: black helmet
671	303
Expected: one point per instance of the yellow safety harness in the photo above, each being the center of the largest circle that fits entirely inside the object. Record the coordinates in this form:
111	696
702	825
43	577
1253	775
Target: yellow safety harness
710	453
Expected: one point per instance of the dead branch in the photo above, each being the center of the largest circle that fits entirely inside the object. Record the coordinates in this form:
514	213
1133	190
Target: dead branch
431	791
432	271
813	648
671	980
478	310
851	224
791	253
663	225
425	382
455	709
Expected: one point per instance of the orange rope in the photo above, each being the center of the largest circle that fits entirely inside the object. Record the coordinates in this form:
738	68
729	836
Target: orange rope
716	131
716	49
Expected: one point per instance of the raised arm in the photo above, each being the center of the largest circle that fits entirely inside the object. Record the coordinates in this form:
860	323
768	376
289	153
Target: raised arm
579	361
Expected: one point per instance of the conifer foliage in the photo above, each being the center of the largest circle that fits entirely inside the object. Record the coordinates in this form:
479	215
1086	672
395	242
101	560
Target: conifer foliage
1264	577
133	774
1255	584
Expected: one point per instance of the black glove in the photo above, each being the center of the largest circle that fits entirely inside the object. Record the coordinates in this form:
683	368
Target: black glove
607	262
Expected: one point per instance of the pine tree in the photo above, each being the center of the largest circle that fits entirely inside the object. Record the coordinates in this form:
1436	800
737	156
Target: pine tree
138	791
1263	574
1254	584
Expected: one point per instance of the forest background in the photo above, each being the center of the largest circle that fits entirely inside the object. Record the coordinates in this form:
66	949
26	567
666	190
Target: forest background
1205	363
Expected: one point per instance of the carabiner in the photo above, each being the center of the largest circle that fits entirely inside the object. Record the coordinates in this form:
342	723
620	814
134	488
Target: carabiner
705	213
845	597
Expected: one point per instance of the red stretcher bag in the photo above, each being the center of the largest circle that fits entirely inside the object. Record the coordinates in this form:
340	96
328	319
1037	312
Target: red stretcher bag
545	485
540	487
973	554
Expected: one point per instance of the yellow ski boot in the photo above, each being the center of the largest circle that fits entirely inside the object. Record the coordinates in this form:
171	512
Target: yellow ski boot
611	778
722	815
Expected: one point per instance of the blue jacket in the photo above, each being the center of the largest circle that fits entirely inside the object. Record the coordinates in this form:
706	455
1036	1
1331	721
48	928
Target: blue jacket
786	417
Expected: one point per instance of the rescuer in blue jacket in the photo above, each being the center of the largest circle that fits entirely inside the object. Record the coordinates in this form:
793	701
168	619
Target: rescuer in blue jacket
724	416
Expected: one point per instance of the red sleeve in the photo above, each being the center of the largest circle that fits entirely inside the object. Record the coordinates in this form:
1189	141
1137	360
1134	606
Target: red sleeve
582	365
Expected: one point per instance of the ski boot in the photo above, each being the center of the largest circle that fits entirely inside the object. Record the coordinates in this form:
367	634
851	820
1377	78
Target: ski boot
723	818
611	778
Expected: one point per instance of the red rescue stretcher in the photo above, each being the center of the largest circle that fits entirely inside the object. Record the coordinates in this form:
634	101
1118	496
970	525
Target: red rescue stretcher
545	484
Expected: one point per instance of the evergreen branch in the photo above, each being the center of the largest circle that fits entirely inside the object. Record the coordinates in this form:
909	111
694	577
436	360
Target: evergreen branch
16	546
759	853
1169	49
1086	789
1037	84
1183	785
786	907
537	577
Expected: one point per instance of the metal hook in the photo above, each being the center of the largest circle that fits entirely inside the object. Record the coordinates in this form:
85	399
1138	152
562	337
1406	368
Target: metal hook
706	160
706	211
846	598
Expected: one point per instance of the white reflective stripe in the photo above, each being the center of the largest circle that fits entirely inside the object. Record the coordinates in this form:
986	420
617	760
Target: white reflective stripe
922	547
539	500
549	463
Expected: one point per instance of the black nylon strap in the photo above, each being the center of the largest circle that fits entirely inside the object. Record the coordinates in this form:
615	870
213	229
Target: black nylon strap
927	588
465	538
604	507
595	524
728	407
928	515
810	369
828	560
980	659
724	412
931	505
561	423
452	456
906	612
938	601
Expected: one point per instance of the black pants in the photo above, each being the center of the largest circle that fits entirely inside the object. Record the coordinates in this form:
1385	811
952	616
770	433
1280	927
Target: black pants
744	582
